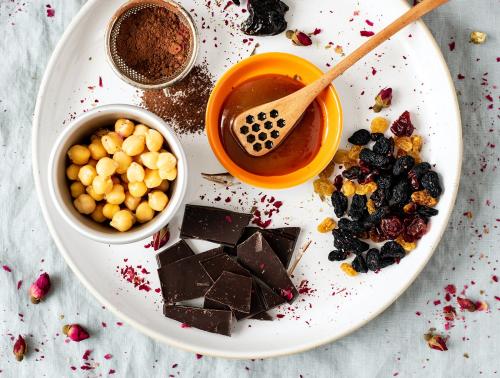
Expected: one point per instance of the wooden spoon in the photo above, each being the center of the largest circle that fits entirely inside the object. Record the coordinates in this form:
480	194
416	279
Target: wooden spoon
262	128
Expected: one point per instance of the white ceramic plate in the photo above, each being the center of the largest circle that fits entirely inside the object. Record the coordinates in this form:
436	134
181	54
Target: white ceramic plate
411	63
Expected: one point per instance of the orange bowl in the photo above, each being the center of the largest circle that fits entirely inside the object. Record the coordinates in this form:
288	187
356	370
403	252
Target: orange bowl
281	64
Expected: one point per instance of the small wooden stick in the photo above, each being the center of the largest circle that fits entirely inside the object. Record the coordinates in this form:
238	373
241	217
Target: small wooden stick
302	252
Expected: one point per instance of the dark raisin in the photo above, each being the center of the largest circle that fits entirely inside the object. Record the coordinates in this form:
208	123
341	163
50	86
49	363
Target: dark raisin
266	17
338	182
352	226
373	259
402	165
403	126
391	226
426	211
377	136
400	194
386	261
352	173
384	181
375	218
360	137
393	250
346	241
379	197
339	202
337	255
430	181
416	227
374	159
358	208
384	146
416	174
359	264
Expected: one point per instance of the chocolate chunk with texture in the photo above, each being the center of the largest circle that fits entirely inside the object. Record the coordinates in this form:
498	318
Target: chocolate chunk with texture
178	251
210	320
220	263
257	255
186	279
213	224
232	290
262	316
282	241
269	298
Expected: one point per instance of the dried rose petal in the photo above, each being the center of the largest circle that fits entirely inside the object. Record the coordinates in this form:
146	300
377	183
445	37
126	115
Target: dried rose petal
466	304
75	332
437	342
481	306
20	348
299	38
161	238
383	99
366	33
449	312
40	288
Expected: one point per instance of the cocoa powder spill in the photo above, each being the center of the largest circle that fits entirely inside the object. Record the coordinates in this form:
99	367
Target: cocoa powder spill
184	104
154	42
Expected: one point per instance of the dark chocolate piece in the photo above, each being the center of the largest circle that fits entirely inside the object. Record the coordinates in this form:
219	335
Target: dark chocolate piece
282	241
186	279
213	224
256	255
210	320
232	290
178	251
262	316
218	264
269	298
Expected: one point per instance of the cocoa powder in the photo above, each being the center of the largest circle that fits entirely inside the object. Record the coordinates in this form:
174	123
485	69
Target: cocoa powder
154	42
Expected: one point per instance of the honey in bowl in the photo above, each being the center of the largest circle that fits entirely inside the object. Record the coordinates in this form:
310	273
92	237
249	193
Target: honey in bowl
296	151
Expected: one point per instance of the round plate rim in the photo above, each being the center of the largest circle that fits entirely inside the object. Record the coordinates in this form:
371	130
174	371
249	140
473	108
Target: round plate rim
188	347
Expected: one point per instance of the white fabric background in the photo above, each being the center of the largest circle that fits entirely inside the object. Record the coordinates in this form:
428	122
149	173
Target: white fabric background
390	345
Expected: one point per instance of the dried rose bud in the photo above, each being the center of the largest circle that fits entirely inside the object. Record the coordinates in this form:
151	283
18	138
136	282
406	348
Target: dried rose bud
481	306
20	348
449	312
437	342
383	100
299	38
478	37
161	238
75	332
466	304
40	288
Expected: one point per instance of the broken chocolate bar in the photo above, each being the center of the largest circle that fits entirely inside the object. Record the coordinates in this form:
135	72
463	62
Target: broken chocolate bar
178	251
232	290
262	316
186	279
213	224
211	320
269	298
256	255
220	263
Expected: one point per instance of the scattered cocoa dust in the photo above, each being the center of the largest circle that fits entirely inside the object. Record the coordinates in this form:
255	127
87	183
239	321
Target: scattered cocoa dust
183	105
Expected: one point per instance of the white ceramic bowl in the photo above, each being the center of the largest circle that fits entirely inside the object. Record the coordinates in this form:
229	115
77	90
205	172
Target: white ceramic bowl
83	127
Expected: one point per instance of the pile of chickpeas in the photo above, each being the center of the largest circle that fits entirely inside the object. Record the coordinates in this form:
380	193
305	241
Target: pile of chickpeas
122	176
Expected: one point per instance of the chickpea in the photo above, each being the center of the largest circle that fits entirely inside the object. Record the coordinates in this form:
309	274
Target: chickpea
164	186
141	130
72	172
135	173
166	160
92	162
123	161
154	140
109	210
106	167
124	178
134	145
85	204
144	212
157	200
137	189
152	178
168	175
123	220
87	174
97	150
91	192
79	154
149	159
99	134
97	215
117	195
112	142
102	185
131	202
76	189
124	127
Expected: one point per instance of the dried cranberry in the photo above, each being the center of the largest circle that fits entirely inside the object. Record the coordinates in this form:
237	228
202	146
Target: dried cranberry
430	181
338	182
391	226
358	208
338	255
402	165
360	137
384	146
339	202
403	126
416	228
373	259
376	235
359	264
352	173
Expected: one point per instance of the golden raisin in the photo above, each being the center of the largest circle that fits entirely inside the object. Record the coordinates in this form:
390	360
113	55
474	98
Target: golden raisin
368	188
341	157
403	143
423	198
348	269
323	187
353	153
379	125
409	208
370	205
327	225
407	246
348	188
417	142
327	172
